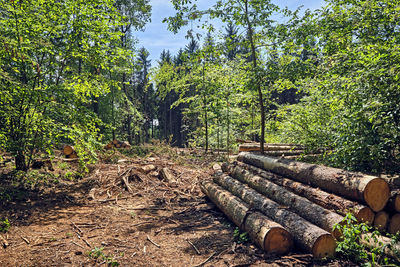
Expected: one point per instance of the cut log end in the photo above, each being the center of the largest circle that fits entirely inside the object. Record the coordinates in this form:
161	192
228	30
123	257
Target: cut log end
365	215
324	247
278	241
397	202
394	225
377	194
68	150
381	220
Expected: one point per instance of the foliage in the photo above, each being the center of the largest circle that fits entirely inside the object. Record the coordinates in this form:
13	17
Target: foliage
239	236
351	248
350	104
98	254
4	225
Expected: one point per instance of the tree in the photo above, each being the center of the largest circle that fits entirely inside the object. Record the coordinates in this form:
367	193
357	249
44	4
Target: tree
249	14
55	58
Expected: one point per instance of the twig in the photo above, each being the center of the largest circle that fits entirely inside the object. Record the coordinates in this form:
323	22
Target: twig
77	227
77	244
204	262
111	199
125	180
26	240
87	243
198	252
151	241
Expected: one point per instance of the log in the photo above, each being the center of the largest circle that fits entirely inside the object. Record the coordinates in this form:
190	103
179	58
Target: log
267	234
316	195
108	146
74	155
394	224
292	150
68	150
381	220
310	211
125	144
166	175
115	141
307	235
370	189
394	201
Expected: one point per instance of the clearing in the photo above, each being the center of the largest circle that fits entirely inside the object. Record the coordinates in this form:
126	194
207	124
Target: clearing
97	220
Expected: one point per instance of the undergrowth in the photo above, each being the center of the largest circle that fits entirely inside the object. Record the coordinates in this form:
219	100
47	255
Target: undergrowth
362	244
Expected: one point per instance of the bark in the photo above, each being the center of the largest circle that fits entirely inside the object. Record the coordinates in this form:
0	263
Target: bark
372	190
310	211
316	195
307	235
381	220
267	234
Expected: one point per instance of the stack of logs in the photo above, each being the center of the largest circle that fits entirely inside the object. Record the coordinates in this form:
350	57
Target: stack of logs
117	144
277	150
279	200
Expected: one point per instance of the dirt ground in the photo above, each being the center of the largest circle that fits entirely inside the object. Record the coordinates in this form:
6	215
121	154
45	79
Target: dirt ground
98	221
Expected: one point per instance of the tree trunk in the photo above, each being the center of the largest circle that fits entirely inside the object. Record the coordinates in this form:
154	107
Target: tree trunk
316	195
20	162
372	190
312	212
256	78
269	235
308	236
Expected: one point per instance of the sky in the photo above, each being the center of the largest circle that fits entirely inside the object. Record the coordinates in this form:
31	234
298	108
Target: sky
156	36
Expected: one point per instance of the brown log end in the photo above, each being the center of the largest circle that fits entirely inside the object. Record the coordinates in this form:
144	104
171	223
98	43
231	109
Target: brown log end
108	146
73	155
365	215
381	220
394	225
377	194
397	202
278	241
324	247
68	150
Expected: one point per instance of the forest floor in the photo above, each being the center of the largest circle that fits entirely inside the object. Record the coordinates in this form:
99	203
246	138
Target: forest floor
96	221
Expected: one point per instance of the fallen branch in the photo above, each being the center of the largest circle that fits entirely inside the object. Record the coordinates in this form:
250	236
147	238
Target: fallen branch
204	262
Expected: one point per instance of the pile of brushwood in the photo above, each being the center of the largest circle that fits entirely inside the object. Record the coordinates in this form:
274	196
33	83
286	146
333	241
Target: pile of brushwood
283	203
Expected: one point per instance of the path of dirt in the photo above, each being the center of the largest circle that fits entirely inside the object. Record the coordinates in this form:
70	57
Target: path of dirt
97	222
